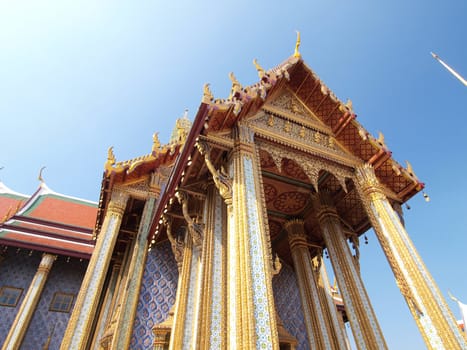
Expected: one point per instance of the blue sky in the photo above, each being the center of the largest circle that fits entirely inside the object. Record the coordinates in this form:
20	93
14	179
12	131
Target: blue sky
78	77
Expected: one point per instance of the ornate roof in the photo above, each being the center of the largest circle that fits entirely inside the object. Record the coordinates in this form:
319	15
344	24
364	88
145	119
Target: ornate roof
338	117
333	121
51	222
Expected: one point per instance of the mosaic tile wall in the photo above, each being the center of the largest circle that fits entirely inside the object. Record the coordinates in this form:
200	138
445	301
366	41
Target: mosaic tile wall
289	306
65	277
18	270
157	295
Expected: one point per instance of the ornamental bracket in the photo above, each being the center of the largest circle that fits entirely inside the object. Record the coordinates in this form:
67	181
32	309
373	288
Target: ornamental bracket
221	179
195	229
176	242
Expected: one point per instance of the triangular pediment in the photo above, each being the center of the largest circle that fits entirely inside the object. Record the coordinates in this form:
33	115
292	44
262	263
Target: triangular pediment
286	119
291	107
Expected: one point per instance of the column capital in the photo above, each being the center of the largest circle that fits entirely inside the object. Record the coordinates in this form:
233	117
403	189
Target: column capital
366	178
117	203
243	133
324	205
46	262
296	233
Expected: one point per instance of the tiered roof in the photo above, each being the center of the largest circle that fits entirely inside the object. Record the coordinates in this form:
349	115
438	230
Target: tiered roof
47	221
216	116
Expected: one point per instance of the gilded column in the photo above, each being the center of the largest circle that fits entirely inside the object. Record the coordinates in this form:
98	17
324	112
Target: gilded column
332	315
429	309
188	304
211	318
365	327
185	279
252	312
319	329
105	340
124	327
79	326
21	323
106	309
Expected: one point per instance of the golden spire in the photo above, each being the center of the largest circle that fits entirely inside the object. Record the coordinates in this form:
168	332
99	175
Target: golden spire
236	86
259	68
40	178
207	94
297	45
110	159
380	138
156	144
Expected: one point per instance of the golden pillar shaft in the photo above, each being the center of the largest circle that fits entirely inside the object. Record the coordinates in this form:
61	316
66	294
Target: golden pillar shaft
429	309
124	327
185	280
233	282
211	318
79	326
365	327
106	309
119	299
28	306
332	315
318	328
255	322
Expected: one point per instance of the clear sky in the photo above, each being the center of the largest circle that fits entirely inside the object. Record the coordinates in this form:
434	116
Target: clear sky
79	76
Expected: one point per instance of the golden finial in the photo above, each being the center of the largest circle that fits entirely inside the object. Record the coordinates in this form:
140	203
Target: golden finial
236	86
380	138
297	45
409	167
156	144
40	178
260	69
207	94
110	159
347	107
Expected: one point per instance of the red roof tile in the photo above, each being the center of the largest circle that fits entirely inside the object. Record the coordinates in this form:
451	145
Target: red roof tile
63	210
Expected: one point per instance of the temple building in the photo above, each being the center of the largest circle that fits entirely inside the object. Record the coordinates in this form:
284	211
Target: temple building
216	240
46	241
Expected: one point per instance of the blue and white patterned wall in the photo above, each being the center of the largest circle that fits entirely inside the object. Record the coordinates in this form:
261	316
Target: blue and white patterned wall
18	270
158	292
157	295
289	306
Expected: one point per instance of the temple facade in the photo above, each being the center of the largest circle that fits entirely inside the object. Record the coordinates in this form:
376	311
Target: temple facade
216	240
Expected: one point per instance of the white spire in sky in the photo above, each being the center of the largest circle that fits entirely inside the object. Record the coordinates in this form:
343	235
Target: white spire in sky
453	72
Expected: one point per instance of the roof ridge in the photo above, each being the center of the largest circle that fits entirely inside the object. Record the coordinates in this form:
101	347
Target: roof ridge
4	189
44	190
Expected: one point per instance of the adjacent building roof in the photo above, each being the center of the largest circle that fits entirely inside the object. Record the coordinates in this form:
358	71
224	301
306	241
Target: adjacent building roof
47	221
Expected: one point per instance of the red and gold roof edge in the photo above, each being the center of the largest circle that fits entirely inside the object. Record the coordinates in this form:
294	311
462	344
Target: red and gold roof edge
317	97
129	171
219	114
